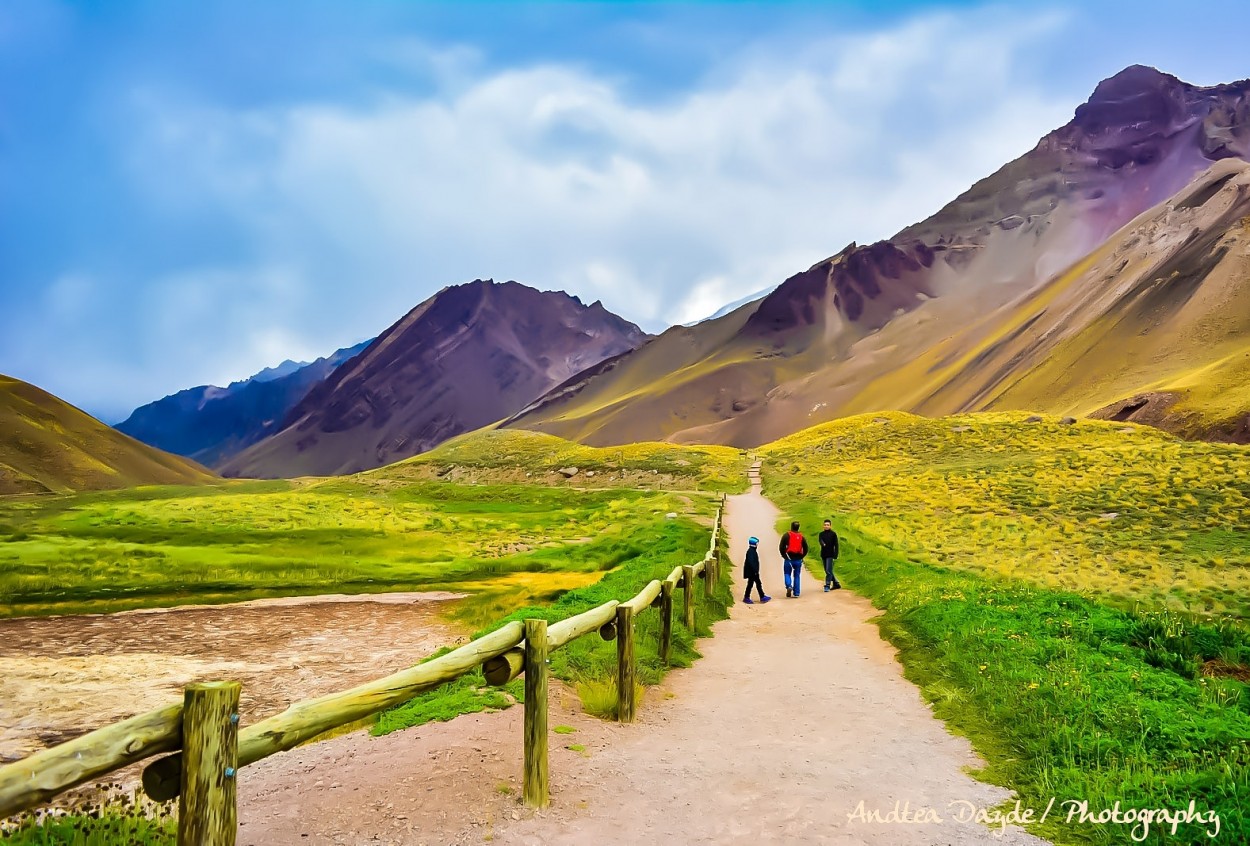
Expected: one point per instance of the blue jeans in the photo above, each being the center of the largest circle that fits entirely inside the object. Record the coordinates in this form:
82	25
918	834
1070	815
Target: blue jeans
795	567
830	578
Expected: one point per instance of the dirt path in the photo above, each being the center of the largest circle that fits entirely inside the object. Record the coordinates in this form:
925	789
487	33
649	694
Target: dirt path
796	714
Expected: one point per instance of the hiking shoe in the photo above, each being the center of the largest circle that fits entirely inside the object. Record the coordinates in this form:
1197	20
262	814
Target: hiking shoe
788	593
837	586
766	599
826	588
796	594
749	601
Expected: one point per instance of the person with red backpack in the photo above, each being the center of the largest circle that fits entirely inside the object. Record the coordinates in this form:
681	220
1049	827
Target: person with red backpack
793	549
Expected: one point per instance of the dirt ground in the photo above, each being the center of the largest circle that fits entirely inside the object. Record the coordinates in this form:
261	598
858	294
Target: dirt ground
796	714
63	676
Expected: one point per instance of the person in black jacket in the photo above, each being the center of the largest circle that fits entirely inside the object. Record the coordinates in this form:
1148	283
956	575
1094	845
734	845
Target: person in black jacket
828	554
793	549
751	572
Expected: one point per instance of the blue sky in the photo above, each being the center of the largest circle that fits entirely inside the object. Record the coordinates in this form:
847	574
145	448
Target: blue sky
192	192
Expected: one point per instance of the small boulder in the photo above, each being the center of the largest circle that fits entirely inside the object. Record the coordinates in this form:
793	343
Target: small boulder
589	473
961	428
567	472
672	515
1068	421
443	471
1033	418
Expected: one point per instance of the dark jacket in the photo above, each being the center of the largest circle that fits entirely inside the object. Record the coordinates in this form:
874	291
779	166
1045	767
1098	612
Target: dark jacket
785	544
828	544
751	567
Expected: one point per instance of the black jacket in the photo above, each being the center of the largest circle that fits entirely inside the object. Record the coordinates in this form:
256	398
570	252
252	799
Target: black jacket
751	567
828	544
785	544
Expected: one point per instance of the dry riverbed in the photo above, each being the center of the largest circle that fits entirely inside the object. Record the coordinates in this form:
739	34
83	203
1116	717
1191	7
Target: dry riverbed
63	676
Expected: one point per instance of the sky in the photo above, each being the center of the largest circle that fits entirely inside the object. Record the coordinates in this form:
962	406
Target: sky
190	192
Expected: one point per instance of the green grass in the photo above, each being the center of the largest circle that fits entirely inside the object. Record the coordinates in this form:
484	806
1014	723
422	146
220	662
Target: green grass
1125	512
1095	686
588	664
510	545
518	452
114	823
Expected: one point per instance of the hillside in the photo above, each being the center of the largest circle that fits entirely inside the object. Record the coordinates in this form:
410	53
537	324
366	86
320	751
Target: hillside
47	445
937	319
211	425
465	358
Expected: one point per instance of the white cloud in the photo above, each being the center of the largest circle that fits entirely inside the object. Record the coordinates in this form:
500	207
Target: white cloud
556	177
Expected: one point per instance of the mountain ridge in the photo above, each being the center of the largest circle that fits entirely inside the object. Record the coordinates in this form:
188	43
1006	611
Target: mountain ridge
466	357
814	348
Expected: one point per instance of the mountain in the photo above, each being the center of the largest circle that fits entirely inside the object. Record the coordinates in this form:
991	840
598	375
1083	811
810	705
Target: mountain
211	424
467	357
47	445
922	321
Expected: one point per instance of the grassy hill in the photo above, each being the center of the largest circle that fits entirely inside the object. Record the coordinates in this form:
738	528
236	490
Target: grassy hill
1124	512
47	445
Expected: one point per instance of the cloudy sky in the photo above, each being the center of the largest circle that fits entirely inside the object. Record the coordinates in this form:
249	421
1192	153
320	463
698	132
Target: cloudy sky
190	192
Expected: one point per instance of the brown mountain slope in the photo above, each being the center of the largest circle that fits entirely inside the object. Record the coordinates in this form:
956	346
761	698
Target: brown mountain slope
48	445
854	332
467	357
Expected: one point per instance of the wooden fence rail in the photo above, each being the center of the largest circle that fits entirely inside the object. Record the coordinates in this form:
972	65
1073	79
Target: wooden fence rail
209	748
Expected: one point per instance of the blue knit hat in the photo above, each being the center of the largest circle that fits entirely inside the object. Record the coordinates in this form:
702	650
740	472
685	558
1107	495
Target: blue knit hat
753	541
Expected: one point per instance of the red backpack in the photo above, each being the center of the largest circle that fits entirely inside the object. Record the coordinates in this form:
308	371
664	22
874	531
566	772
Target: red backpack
795	547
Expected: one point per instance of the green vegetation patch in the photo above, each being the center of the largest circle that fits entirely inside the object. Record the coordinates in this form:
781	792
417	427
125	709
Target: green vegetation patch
589	663
509	545
521	455
111	823
1127	512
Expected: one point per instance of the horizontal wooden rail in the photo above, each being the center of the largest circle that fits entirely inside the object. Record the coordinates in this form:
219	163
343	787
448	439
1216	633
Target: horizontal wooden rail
306	720
46	773
505	667
643	600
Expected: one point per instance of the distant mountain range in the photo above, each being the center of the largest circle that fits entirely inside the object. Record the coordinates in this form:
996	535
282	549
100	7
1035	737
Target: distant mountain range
211	424
1103	272
1106	272
47	445
468	356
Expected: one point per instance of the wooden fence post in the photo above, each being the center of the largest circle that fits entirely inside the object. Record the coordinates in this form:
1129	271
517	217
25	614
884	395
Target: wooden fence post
708	573
207	813
687	597
536	785
666	621
626	707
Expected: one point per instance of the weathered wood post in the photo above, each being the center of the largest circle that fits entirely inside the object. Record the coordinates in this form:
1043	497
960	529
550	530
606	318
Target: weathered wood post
626	707
666	620
709	570
536	786
687	598
207	813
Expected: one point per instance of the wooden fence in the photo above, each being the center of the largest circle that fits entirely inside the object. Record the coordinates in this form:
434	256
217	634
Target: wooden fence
209	748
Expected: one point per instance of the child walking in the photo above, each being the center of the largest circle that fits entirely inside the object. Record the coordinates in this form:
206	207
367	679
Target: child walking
751	572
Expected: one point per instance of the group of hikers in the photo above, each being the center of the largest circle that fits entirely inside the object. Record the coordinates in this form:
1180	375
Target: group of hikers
793	549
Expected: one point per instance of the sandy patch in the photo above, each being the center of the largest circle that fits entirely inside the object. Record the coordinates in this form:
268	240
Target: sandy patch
63	676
